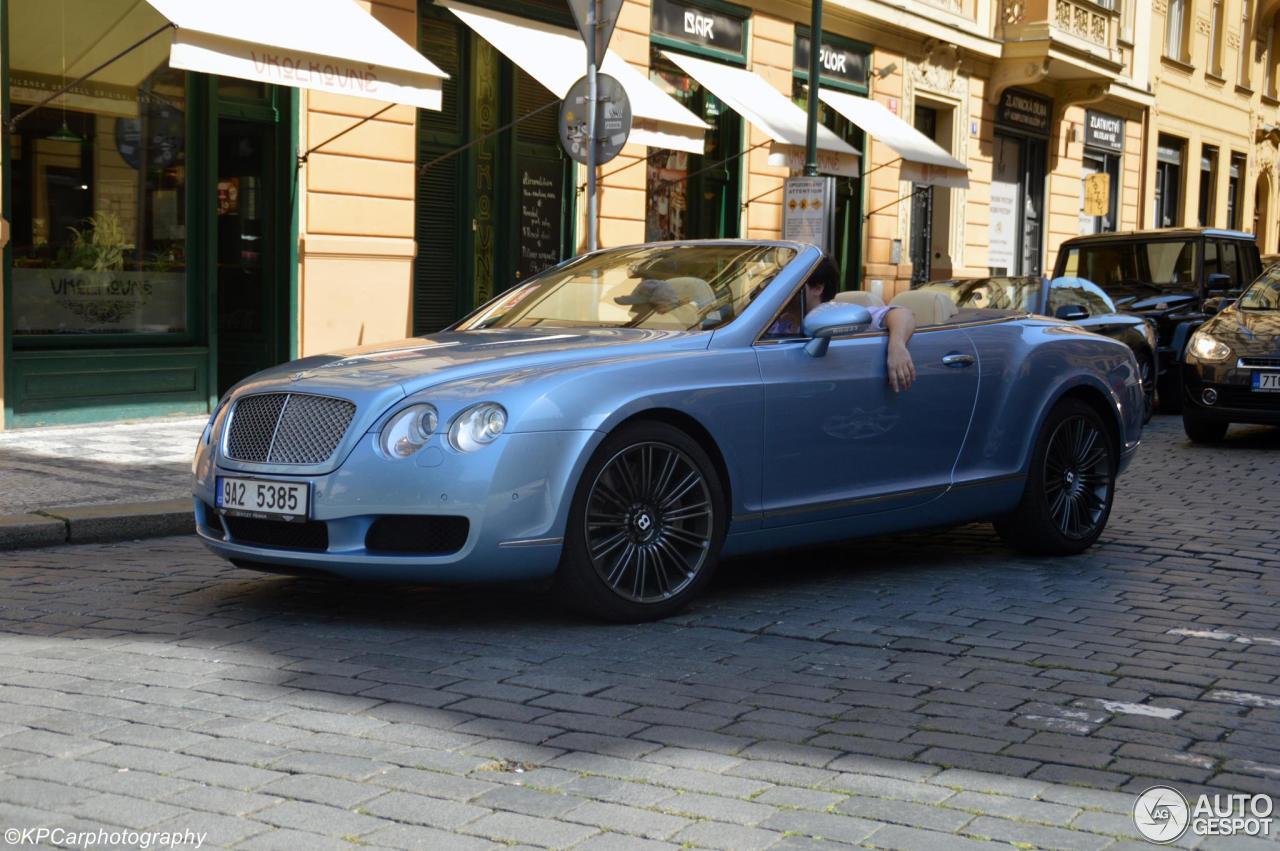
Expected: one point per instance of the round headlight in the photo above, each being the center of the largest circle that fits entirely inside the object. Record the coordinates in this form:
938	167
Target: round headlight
477	426
1207	348
408	431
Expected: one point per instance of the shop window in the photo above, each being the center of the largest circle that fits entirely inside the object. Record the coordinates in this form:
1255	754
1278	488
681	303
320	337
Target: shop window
1168	189
1208	185
99	178
1233	191
691	196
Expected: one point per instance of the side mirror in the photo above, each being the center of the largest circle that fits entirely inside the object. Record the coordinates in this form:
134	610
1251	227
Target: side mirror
832	320
1219	283
1071	312
1217	304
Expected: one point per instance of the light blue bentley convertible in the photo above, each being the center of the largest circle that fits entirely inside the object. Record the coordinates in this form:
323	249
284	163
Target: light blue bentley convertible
624	421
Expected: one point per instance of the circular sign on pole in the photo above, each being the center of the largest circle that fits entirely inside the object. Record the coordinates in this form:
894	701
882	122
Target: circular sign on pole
613	119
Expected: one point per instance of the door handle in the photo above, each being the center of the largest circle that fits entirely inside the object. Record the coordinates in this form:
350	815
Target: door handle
957	360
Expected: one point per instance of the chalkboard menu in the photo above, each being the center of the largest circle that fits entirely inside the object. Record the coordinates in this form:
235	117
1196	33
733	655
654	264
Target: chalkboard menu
540	222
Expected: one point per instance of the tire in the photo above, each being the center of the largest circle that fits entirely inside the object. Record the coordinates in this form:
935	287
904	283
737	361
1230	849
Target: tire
1203	430
657	521
1150	396
1070	485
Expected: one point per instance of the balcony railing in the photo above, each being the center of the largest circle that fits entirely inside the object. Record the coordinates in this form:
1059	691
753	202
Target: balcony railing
1091	25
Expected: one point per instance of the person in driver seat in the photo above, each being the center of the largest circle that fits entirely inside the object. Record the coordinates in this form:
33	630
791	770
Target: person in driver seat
817	294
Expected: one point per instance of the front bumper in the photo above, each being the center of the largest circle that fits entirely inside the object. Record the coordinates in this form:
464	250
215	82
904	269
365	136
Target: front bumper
1237	401
513	496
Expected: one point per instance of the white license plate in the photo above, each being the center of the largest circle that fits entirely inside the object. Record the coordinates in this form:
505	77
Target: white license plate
263	498
1266	382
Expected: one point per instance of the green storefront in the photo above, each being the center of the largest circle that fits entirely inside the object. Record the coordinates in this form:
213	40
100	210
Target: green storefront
152	211
496	192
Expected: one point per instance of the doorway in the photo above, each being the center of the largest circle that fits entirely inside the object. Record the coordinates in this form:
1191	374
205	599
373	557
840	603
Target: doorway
250	226
1017	205
926	121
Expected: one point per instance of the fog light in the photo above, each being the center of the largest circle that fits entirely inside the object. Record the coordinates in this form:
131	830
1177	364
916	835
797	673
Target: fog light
1209	396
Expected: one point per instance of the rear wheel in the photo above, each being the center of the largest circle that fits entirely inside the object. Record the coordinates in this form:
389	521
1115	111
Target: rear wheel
1070	486
645	526
1203	430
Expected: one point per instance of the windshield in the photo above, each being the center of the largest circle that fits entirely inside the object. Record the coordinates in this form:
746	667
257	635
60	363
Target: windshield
1265	292
1135	268
994	293
665	287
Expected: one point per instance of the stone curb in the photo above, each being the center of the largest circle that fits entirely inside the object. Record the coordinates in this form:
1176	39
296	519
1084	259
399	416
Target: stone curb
96	524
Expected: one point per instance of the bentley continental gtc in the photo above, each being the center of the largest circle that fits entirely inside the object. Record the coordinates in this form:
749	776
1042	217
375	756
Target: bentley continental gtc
622	422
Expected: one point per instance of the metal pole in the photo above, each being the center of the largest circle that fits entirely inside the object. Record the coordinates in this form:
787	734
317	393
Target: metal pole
815	69
592	100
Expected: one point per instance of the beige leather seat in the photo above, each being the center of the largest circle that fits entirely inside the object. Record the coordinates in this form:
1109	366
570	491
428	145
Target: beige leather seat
930	307
862	298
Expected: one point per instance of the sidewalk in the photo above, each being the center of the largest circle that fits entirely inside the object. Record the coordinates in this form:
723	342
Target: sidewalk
112	481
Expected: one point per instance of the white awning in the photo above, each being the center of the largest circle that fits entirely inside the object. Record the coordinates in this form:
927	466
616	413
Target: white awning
327	45
923	160
751	96
557	58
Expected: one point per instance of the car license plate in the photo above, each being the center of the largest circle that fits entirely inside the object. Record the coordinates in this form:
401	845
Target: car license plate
263	498
1266	382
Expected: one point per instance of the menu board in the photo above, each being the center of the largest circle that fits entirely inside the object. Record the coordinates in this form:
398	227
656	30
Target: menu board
541	202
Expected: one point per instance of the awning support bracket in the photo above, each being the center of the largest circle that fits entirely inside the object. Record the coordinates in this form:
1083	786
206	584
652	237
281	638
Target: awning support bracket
422	169
12	124
302	158
913	193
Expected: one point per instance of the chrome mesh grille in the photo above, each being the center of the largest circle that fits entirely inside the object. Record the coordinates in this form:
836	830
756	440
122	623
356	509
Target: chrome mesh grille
287	428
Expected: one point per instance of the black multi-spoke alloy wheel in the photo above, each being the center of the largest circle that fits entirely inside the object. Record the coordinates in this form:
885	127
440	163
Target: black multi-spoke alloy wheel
645	526
1202	429
1070	486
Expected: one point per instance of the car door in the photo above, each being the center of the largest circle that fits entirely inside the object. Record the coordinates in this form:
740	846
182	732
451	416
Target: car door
840	443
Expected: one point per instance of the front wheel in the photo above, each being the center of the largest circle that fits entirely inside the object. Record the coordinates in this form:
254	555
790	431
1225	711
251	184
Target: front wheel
1070	486
1203	430
645	526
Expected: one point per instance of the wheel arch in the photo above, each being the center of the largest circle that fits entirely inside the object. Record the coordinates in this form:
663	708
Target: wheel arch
1100	402
691	426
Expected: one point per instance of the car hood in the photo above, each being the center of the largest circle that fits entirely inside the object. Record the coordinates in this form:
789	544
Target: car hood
413	364
1249	333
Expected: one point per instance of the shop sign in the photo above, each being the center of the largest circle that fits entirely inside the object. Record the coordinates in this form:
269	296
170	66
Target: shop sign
541	200
1105	132
837	63
1025	111
694	24
64	301
86	95
808	211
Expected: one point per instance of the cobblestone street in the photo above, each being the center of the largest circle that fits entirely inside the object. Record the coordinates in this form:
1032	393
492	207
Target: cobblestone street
925	691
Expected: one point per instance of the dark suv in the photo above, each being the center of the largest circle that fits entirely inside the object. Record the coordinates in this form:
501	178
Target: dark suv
1166	276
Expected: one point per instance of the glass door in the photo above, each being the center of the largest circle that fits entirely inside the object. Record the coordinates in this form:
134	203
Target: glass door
247	242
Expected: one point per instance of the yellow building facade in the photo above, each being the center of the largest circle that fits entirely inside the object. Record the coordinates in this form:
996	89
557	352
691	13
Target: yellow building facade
395	221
